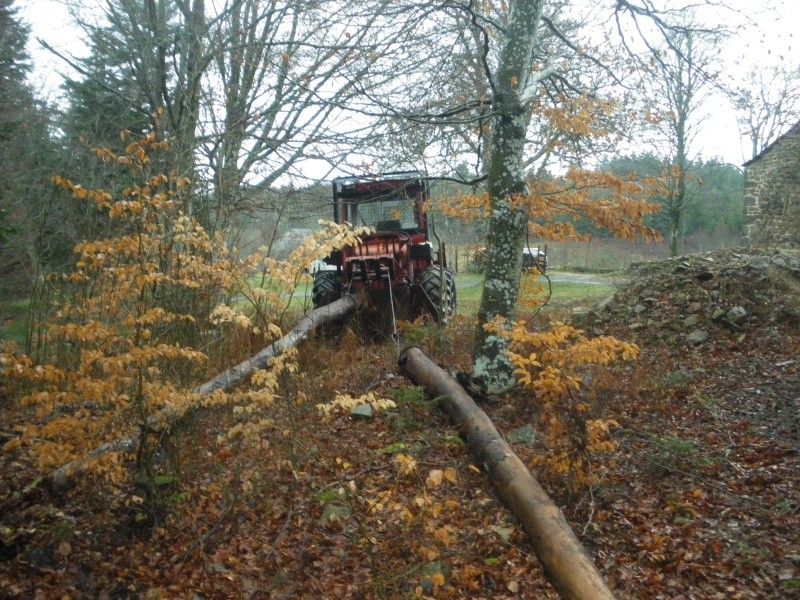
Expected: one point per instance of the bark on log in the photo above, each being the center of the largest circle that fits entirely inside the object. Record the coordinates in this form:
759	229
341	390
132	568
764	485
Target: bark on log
61	477
566	563
318	316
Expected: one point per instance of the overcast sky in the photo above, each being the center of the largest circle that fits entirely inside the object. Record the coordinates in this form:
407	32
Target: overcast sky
766	40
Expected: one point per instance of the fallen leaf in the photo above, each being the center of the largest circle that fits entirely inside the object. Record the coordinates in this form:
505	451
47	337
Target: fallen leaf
434	479
451	475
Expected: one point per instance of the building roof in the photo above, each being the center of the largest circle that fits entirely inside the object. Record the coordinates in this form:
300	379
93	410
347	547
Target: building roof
792	130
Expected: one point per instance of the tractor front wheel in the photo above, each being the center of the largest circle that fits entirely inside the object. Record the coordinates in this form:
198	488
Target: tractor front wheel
440	292
327	288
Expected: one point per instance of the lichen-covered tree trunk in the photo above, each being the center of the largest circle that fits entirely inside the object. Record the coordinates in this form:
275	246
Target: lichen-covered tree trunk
506	182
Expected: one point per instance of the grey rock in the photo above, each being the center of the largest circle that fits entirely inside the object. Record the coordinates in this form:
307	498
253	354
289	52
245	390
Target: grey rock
363	412
697	337
691	320
525	436
717	314
736	315
607	304
759	263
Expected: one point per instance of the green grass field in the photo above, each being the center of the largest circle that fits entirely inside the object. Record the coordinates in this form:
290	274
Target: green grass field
565	295
12	321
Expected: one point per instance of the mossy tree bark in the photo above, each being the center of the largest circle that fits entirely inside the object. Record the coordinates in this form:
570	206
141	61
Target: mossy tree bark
506	183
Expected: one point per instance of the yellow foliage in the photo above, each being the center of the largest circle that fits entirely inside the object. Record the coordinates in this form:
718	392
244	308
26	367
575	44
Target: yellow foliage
551	364
552	205
344	403
406	463
434	478
119	363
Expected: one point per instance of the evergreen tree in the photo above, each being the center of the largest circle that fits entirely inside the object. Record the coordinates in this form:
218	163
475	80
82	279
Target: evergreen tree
14	102
25	152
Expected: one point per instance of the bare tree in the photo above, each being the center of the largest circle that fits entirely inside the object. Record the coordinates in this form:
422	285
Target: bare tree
246	89
680	73
275	93
767	104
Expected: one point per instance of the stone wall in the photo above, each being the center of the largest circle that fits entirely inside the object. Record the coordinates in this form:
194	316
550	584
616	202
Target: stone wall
772	193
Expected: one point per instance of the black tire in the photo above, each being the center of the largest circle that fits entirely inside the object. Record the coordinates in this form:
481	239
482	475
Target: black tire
327	288
444	306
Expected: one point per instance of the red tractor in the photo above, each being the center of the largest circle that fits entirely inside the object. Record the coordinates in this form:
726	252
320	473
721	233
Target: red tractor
395	263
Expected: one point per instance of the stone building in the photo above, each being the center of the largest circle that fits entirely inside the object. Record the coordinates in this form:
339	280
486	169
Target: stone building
772	193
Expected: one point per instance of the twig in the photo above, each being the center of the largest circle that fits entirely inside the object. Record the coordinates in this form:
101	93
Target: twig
591	511
200	543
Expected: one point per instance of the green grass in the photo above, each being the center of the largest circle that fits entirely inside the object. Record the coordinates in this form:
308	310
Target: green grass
469	287
569	295
565	295
12	321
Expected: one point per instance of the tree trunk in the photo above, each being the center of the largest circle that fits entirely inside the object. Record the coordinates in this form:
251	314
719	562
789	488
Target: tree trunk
566	563
166	417
506	183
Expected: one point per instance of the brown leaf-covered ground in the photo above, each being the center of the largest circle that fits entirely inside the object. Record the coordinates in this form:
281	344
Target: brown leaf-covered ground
701	499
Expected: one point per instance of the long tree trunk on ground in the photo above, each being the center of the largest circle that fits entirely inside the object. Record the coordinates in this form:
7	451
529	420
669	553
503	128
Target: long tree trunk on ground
506	182
62	477
566	563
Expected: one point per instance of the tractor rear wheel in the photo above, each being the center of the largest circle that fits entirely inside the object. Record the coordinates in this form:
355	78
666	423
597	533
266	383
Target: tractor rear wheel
442	297
326	288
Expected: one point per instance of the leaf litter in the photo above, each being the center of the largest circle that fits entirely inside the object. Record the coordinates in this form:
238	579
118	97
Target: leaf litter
699	500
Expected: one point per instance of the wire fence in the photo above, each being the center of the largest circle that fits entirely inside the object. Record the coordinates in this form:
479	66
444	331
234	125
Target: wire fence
598	254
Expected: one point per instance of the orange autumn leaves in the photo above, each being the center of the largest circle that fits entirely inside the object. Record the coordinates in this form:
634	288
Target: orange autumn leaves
553	206
553	365
141	317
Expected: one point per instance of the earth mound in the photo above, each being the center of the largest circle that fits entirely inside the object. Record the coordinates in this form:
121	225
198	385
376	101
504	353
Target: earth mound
722	295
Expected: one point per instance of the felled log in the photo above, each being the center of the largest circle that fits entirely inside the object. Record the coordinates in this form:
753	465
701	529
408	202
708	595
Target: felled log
566	563
319	316
62	476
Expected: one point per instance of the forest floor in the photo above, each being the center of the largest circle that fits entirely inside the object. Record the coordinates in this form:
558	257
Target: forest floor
701	498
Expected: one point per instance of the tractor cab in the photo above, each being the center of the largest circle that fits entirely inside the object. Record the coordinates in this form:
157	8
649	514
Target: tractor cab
397	259
395	202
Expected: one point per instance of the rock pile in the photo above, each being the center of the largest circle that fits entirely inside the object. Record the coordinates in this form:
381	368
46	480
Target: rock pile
689	299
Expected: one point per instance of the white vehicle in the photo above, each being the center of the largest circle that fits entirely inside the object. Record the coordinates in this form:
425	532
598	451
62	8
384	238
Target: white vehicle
320	265
534	258
531	258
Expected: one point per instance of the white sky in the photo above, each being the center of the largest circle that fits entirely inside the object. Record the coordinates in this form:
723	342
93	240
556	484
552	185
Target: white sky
765	41
51	21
